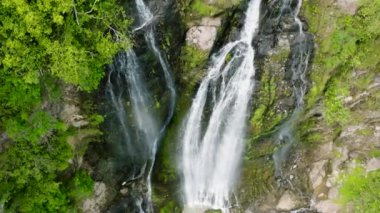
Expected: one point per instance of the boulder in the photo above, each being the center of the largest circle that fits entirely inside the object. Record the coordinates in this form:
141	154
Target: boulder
203	34
287	202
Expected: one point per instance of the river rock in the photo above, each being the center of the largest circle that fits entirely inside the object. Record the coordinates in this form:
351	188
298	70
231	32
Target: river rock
124	191
287	202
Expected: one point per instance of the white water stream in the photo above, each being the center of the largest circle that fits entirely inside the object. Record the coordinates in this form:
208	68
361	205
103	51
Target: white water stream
146	18
213	133
300	58
140	129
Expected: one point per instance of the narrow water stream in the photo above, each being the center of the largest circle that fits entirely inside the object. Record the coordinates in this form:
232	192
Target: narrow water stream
140	128
298	66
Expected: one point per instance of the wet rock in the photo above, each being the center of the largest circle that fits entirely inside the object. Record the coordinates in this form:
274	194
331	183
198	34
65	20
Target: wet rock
124	191
97	201
348	6
204	34
287	202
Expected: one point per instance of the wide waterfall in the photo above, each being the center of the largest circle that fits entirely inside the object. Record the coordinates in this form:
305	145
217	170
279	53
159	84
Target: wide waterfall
299	62
137	128
214	130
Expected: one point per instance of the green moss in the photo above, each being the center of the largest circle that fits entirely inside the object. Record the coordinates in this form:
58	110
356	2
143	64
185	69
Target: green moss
80	187
353	44
265	115
193	61
170	207
213	211
333	102
202	8
365	132
257	178
375	153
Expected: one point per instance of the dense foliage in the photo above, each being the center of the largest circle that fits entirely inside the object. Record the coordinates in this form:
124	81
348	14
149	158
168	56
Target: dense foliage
352	45
362	190
45	43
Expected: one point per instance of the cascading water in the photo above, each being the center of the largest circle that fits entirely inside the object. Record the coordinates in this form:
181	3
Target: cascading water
126	70
146	18
139	129
211	158
298	66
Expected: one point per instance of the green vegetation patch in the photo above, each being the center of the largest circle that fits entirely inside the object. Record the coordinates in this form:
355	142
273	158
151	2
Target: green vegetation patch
193	61
200	8
362	190
345	43
44	45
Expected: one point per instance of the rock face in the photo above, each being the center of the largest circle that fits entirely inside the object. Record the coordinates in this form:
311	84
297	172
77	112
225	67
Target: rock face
348	6
203	34
71	112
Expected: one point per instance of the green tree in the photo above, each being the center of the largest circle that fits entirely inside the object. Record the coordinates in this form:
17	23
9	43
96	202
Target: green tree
69	41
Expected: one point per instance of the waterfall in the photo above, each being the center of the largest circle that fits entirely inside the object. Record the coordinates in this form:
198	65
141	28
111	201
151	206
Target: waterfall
298	66
211	155
138	129
125	78
146	18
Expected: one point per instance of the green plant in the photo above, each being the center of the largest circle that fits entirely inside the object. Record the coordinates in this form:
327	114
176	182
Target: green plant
44	45
80	186
362	190
333	102
202	8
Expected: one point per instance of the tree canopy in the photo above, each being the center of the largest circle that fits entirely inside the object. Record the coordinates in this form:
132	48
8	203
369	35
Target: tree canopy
69	41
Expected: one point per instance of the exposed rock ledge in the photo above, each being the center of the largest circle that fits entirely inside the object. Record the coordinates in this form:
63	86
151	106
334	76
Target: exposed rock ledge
203	34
